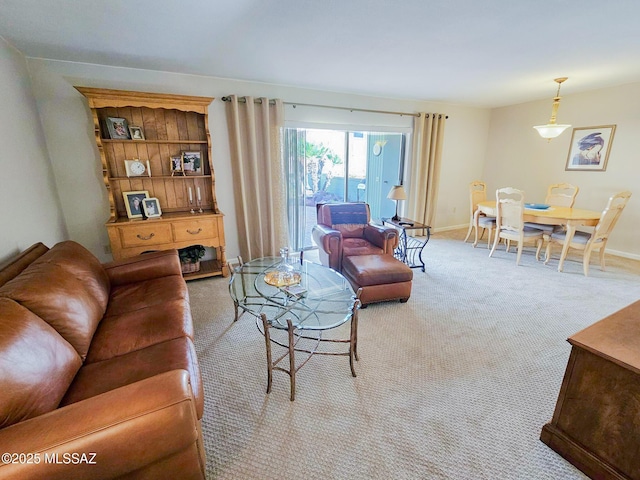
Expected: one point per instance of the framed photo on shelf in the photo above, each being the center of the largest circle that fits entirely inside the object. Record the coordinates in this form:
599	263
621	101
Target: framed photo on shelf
136	132
151	207
192	163
176	165
590	147
118	129
133	202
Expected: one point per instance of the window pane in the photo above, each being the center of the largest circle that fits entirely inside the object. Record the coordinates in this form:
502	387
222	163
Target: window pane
334	165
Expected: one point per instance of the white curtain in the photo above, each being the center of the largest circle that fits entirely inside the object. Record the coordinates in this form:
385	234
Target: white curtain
428	134
255	131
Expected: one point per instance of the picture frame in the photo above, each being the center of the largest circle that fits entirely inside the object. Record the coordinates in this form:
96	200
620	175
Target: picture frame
133	203
136	132
118	128
590	147
192	163
151	207
176	165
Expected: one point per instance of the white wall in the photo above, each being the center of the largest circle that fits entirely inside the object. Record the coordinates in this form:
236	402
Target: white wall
29	206
517	156
68	128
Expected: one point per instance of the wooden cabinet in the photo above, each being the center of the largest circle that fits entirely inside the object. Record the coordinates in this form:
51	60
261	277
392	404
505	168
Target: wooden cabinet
171	124
596	423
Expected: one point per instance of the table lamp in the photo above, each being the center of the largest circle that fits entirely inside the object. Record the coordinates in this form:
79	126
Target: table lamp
397	193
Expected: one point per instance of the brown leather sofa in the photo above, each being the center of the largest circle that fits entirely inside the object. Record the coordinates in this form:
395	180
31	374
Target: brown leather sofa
98	371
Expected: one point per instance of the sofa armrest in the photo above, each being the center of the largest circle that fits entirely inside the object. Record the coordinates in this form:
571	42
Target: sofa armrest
111	434
329	242
143	267
384	237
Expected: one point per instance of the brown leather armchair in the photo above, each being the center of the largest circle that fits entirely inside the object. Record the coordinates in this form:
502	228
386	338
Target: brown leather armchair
344	230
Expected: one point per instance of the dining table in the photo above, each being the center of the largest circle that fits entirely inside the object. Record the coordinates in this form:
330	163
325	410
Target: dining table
550	215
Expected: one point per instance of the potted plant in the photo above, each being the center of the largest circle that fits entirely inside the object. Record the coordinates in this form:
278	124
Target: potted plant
190	258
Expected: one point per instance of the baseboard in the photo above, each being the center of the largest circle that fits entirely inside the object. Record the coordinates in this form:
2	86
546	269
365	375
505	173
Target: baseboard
448	229
618	253
578	456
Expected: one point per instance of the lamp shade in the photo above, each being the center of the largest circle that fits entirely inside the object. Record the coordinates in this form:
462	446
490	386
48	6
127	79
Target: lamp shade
397	193
551	130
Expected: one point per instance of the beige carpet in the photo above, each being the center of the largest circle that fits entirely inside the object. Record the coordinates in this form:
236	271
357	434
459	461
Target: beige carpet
454	384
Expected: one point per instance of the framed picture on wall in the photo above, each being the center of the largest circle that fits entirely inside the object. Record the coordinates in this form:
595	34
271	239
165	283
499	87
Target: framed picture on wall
590	147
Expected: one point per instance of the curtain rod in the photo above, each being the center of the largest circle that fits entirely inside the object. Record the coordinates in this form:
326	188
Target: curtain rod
295	104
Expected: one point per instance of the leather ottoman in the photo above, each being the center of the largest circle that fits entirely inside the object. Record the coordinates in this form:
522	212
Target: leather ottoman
381	277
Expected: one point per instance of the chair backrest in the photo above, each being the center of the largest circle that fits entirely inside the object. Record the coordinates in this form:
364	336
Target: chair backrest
348	218
477	194
561	194
510	206
610	215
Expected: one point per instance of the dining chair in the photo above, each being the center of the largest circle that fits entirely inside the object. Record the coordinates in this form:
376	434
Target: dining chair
558	195
477	194
561	194
510	224
597	239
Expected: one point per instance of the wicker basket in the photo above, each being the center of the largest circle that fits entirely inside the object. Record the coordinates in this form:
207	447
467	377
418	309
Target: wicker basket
190	267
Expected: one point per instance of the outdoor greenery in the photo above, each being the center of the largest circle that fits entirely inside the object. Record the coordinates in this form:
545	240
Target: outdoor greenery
317	155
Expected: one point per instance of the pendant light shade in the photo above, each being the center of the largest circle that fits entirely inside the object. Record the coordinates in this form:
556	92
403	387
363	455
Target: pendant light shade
553	129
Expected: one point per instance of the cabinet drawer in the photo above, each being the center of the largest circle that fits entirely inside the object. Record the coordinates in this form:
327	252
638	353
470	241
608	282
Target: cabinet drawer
194	230
141	235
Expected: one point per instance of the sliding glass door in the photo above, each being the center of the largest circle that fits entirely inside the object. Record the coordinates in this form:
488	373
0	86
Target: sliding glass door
324	165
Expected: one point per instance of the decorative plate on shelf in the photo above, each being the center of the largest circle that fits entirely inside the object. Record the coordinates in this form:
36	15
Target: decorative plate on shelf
537	206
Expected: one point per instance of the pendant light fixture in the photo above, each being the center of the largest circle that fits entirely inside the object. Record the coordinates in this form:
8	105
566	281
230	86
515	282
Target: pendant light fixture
552	129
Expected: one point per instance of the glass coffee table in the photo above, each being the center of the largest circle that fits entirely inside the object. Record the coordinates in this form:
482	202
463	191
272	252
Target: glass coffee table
321	299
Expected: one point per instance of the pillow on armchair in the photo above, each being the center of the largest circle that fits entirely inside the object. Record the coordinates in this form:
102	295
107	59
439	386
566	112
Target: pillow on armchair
344	229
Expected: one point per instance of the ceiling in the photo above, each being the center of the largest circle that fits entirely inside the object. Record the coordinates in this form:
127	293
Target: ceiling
485	53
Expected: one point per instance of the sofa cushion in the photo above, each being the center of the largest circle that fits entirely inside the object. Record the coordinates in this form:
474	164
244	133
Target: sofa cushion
66	287
129	331
134	296
37	364
100	377
359	246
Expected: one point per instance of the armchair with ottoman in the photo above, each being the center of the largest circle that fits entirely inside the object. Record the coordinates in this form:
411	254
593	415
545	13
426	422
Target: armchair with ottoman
362	252
98	371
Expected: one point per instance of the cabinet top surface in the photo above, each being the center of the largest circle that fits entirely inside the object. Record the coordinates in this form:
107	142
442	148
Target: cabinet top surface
102	97
615	337
166	217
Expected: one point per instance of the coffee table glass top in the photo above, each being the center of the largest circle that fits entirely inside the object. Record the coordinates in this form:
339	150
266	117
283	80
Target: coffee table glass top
322	300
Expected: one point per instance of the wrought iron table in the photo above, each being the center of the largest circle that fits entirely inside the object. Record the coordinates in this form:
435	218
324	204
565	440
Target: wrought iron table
325	301
409	249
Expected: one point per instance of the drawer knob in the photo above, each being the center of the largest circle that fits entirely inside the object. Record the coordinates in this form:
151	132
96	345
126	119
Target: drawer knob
148	237
194	232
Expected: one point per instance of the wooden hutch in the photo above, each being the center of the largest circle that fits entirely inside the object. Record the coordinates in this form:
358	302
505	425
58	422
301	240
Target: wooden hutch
170	124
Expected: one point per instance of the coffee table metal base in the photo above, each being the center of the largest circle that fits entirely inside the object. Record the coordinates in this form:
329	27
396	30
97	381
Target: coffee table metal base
294	338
